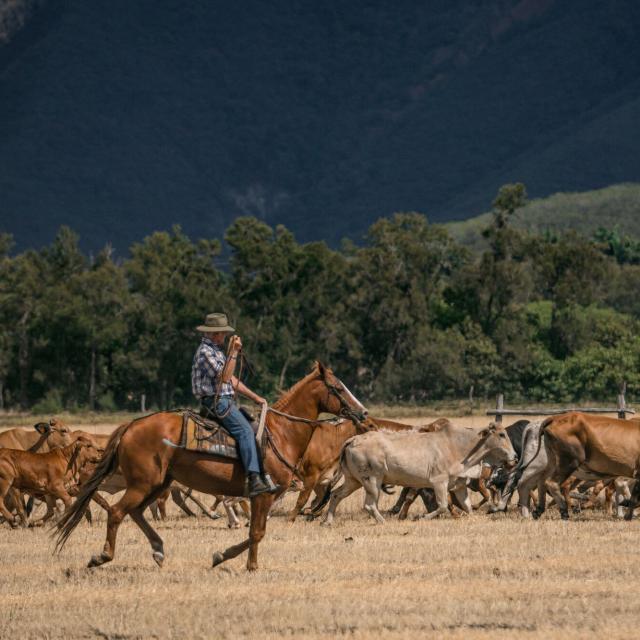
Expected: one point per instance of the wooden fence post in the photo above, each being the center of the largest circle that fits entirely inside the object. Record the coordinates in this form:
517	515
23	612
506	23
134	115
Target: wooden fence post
143	403
499	408
622	414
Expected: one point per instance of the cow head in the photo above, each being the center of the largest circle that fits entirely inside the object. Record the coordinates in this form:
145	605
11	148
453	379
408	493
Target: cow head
56	432
84	455
496	446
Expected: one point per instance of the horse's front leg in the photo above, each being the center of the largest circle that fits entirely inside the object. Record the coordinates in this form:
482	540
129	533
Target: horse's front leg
260	507
259	511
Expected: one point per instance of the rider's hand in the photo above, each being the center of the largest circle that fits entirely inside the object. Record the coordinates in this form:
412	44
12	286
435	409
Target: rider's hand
236	344
260	400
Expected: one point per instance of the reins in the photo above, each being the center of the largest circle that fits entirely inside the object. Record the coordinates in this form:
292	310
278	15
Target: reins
345	410
334	420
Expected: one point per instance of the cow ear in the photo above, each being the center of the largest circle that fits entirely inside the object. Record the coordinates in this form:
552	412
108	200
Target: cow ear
485	433
42	428
53	422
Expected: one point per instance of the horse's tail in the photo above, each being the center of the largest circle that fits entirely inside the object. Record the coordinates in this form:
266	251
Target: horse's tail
107	465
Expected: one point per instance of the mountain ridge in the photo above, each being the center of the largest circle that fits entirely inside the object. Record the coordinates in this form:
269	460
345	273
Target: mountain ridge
321	117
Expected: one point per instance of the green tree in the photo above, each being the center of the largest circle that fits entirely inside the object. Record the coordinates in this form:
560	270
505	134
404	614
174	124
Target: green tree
396	288
291	300
174	283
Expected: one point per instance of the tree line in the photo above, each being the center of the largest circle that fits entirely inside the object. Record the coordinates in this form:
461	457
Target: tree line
409	315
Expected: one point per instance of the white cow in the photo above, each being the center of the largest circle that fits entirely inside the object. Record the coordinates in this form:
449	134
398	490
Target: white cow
441	460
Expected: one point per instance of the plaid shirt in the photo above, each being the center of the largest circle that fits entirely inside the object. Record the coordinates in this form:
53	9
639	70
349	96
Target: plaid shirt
208	363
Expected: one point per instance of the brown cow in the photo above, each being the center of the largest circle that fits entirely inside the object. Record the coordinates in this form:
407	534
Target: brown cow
591	447
43	474
45	437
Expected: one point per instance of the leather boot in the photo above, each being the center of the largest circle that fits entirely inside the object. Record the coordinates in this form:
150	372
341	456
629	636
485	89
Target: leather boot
257	485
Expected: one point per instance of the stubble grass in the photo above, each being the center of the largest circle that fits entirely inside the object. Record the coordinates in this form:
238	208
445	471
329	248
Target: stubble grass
476	577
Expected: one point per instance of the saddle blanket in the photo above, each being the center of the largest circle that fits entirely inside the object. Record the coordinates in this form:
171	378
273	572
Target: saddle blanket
208	436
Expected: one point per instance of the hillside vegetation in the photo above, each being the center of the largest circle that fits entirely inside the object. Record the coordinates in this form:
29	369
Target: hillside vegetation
616	207
409	316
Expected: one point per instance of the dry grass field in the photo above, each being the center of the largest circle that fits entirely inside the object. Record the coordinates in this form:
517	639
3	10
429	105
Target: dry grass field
476	577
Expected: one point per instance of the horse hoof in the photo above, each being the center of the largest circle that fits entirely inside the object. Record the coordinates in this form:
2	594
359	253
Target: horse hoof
158	556
564	515
234	526
218	558
95	561
325	523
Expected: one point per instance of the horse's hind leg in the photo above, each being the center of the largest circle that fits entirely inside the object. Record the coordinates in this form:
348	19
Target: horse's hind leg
132	499
152	535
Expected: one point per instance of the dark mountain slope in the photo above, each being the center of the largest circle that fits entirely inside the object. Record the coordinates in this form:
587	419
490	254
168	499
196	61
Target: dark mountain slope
122	118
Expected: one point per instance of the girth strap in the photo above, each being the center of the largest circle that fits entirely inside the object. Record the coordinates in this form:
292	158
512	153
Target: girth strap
286	463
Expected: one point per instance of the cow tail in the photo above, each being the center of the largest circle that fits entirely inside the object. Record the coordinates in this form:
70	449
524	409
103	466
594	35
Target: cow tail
337	474
107	466
514	478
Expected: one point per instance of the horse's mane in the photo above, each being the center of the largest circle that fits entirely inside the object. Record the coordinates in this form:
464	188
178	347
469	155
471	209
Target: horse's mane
286	396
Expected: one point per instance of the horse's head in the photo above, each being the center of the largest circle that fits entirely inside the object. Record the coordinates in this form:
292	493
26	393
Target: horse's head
334	397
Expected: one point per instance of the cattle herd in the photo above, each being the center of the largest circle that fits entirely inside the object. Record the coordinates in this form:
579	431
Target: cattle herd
581	461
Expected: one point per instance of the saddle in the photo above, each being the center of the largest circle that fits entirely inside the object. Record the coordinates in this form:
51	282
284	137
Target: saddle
208	435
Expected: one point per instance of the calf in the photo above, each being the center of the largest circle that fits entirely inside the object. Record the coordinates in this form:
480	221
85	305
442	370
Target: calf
43	474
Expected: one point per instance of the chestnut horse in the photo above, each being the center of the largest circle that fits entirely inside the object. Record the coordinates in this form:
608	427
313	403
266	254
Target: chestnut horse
149	465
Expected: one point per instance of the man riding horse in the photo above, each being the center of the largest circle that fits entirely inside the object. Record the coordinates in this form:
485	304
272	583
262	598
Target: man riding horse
213	382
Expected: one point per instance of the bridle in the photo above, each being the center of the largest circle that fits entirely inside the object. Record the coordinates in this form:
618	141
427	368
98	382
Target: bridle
345	411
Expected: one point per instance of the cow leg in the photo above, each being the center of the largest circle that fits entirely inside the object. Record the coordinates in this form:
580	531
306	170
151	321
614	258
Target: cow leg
632	502
5	486
100	501
155	511
50	501
397	507
303	497
16	498
565	489
410	497
232	518
462	495
323	493
372	486
349	485
176	494
441	490
621	493
482	487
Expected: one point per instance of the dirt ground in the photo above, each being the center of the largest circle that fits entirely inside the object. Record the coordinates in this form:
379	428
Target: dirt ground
476	577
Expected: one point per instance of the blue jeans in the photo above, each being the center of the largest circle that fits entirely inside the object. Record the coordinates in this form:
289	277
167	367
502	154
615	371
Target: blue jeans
238	426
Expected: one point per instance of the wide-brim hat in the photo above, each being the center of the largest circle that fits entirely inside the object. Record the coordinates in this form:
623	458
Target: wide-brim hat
216	323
